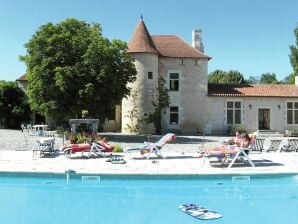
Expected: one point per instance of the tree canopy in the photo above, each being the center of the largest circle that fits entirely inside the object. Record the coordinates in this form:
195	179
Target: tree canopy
230	77
71	67
293	58
14	107
252	80
268	78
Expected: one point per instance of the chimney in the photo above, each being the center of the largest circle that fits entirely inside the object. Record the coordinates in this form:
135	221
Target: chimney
296	80
197	42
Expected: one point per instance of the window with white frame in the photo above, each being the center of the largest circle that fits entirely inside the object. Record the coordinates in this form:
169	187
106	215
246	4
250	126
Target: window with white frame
174	115
174	81
292	112
233	112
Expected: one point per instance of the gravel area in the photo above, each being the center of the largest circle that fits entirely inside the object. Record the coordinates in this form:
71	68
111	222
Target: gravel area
17	140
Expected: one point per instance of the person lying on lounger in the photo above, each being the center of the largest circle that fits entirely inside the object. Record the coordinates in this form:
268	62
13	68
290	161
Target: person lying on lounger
102	141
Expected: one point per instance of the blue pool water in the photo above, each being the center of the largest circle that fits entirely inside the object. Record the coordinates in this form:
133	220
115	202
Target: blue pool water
133	199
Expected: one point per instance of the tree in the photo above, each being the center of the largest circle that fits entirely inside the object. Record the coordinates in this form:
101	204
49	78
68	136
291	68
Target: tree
14	108
268	78
252	80
294	57
216	76
71	67
290	79
230	77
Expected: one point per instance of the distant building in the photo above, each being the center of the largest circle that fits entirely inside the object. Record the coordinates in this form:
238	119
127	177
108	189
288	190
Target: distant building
195	105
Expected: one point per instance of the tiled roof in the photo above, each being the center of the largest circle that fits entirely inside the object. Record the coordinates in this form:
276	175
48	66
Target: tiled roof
254	90
141	41
164	45
173	46
22	78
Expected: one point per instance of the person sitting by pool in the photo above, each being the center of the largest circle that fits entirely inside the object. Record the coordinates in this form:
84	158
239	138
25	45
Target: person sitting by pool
244	143
234	141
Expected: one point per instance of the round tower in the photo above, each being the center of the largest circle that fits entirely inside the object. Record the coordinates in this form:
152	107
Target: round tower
137	107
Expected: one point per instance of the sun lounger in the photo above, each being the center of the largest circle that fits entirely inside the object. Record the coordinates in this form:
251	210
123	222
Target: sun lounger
258	144
230	157
291	146
91	147
149	147
274	145
242	154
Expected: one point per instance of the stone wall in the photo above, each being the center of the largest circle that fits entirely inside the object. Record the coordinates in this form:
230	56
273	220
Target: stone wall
143	91
250	110
191	98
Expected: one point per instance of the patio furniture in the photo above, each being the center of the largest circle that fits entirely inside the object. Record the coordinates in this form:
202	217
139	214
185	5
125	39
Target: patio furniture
242	154
274	145
230	156
91	147
258	144
291	146
39	129
150	147
44	146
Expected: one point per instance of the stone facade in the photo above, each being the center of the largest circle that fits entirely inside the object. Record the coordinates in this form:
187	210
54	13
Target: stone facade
193	82
138	105
250	108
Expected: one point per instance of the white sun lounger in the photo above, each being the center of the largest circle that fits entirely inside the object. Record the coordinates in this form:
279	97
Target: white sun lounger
150	147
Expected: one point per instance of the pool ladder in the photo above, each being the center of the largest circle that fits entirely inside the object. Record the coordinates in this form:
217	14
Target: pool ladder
68	173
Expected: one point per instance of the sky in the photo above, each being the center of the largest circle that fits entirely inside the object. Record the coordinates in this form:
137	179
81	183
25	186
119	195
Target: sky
250	36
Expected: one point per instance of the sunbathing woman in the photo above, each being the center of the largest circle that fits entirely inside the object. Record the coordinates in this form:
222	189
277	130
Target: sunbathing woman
85	146
244	143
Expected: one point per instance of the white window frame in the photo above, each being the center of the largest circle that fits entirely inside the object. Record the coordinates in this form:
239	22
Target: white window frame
179	80
234	109
293	112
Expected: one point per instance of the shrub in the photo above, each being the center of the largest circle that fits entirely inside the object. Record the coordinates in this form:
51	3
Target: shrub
236	127
117	148
294	133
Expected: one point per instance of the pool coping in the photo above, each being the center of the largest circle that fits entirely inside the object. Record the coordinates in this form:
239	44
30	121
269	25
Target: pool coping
165	176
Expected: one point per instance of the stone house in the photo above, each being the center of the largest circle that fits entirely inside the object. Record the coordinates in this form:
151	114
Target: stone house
196	106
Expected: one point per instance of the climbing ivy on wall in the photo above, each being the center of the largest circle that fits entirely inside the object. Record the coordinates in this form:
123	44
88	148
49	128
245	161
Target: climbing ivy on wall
162	102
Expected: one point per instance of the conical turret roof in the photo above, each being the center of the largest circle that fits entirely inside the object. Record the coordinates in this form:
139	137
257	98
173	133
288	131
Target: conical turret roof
141	41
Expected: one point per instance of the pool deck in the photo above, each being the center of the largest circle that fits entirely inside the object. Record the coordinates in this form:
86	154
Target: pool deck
182	158
175	163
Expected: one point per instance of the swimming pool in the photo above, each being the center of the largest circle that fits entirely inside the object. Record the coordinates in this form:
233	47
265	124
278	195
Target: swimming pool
28	199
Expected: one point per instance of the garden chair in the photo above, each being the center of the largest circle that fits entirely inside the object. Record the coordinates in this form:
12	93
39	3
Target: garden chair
149	147
44	146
